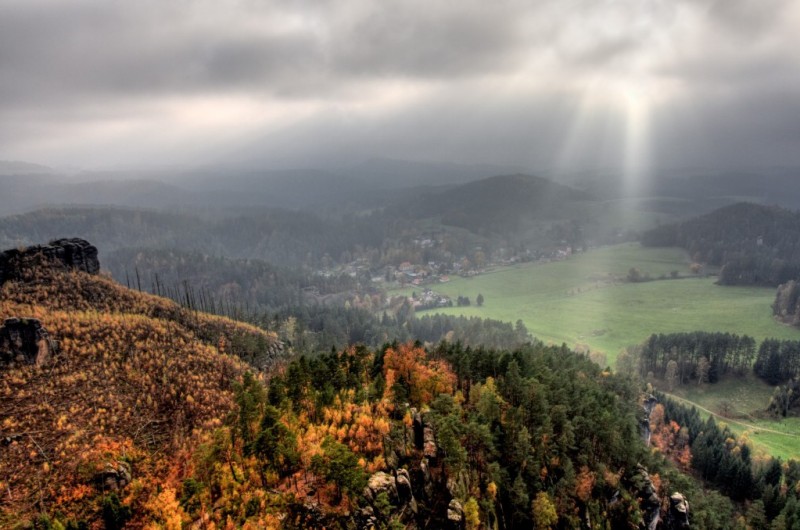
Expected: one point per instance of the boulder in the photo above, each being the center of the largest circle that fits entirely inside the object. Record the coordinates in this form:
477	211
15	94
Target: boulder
379	483
403	484
455	513
114	476
678	512
25	341
399	492
66	254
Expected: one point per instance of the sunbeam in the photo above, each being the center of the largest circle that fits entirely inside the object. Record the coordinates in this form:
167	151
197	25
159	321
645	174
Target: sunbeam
636	160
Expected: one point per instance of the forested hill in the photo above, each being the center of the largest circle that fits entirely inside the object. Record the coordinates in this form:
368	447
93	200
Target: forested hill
753	244
284	237
501	204
105	392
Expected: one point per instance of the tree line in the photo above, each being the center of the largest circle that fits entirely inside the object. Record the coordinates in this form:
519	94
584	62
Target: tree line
699	356
777	360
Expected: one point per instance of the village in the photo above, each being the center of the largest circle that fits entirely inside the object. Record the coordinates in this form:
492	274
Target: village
426	275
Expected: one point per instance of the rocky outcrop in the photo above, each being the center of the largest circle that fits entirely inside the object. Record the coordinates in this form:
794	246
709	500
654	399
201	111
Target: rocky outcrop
398	492
114	476
378	483
648	404
67	254
455	513
25	341
260	354
650	503
678	516
428	487
403	483
424	438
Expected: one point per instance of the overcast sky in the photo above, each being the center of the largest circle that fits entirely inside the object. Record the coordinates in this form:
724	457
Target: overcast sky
558	84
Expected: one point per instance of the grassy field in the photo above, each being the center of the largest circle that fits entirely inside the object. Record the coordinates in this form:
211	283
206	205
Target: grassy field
739	403
583	300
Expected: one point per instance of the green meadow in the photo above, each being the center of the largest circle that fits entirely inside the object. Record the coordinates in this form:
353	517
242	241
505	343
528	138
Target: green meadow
585	300
739	403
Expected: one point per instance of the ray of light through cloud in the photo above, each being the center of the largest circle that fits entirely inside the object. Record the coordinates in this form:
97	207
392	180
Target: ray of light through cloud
562	86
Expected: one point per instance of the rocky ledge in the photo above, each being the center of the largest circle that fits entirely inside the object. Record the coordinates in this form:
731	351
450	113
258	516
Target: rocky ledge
68	254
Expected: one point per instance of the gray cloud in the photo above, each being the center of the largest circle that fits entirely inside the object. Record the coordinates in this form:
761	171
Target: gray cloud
464	79
431	40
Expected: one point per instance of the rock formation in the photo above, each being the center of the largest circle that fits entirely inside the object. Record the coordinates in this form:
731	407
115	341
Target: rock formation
398	492
379	483
68	254
649	403
25	341
455	513
650	503
403	483
678	516
676	510
114	476
424	438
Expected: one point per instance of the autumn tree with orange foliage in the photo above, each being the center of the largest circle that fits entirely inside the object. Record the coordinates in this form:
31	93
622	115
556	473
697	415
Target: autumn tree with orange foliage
410	374
670	439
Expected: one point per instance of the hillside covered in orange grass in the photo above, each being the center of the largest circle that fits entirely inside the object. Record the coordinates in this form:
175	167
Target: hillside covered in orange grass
108	420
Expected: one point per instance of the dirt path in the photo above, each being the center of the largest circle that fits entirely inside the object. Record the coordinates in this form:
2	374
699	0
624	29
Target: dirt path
729	420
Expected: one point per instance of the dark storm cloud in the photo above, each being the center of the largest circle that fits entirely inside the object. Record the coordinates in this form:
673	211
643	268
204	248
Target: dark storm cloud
68	69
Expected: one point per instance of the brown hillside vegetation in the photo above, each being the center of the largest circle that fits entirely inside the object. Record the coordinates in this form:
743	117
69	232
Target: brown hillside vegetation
135	382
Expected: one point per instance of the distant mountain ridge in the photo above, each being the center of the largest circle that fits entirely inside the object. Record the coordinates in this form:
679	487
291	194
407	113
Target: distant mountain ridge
375	182
17	167
501	204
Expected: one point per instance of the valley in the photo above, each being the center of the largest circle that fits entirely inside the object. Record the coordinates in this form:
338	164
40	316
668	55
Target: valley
452	355
586	300
399	265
